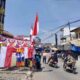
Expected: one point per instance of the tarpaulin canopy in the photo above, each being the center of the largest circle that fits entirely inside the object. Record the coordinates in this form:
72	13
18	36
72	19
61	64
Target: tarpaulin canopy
75	48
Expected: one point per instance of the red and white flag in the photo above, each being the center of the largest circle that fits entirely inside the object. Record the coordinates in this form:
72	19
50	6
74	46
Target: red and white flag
34	30
6	56
33	33
36	27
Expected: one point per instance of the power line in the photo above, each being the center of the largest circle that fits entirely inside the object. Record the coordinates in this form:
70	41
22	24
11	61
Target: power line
60	27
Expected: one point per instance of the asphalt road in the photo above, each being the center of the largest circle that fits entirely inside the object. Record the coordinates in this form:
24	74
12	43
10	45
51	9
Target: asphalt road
50	73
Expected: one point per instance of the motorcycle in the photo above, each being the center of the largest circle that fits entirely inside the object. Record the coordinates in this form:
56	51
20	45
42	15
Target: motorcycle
53	64
69	66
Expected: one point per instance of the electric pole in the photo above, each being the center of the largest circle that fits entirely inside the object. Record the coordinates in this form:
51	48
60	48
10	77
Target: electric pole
69	30
56	40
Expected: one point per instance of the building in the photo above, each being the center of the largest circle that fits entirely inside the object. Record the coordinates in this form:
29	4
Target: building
77	32
7	34
2	14
75	39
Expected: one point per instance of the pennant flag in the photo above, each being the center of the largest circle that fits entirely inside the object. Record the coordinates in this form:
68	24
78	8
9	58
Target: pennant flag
36	26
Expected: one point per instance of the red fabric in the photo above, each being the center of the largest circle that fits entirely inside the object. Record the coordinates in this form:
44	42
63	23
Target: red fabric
35	27
8	58
30	52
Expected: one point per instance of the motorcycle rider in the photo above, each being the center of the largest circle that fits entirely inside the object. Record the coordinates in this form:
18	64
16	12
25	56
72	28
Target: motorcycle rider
53	58
69	61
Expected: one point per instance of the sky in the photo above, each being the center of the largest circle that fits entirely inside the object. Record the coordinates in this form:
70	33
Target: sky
20	15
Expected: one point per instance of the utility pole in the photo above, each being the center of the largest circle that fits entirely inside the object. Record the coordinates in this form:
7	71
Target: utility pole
69	31
56	40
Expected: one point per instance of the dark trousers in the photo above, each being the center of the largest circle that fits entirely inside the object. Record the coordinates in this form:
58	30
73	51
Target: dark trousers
38	65
44	59
26	62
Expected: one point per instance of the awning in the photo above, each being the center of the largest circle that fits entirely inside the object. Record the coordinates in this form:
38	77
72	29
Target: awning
7	34
75	48
65	43
76	42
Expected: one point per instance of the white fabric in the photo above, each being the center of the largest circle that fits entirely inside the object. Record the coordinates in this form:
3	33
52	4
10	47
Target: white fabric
2	56
37	27
13	61
26	52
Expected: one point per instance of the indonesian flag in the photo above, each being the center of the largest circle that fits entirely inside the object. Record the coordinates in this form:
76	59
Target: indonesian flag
33	33
34	30
36	27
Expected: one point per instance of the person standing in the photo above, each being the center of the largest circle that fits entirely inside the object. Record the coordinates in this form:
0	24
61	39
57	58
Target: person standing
38	60
44	57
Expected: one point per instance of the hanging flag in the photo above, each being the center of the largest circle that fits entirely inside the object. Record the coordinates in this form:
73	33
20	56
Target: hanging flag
36	26
2	56
6	56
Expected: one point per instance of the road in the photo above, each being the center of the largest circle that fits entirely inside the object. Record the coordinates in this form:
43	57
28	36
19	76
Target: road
50	73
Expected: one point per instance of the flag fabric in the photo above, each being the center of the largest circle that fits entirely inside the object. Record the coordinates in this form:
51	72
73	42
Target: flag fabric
33	33
26	52
36	27
31	30
30	52
2	56
34	30
6	56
